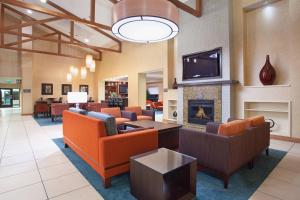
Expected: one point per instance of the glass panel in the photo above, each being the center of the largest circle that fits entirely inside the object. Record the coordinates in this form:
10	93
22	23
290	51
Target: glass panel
16	97
6	97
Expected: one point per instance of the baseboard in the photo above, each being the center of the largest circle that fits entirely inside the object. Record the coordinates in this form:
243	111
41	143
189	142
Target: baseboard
284	138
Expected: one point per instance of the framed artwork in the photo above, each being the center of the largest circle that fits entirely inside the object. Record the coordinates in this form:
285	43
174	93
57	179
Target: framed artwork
47	89
84	88
65	88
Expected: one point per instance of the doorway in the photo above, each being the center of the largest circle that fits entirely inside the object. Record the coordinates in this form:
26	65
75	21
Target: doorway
6	98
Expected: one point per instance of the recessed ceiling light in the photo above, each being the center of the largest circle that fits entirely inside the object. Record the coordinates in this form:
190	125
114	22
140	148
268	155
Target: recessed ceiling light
44	1
29	11
145	21
86	40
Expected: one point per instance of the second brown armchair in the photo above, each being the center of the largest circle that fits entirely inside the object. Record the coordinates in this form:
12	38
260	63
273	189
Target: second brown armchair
141	114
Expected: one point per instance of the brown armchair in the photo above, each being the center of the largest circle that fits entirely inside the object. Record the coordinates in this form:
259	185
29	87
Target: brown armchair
41	108
96	107
57	110
224	154
141	114
121	116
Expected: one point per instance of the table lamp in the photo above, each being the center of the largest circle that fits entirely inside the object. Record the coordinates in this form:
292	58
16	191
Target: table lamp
77	98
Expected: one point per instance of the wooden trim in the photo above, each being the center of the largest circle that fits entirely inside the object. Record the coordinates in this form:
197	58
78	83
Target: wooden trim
46	11
226	82
72	31
2	23
93	10
59	44
285	138
31	23
26	114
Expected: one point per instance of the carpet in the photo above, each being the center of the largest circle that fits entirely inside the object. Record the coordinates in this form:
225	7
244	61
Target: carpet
241	185
47	121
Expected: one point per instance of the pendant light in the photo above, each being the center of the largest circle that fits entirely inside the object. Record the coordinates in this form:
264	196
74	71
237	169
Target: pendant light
69	77
145	21
83	73
93	66
88	60
73	71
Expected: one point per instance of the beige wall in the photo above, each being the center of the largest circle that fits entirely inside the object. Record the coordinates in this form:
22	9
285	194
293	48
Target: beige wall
54	69
288	41
134	59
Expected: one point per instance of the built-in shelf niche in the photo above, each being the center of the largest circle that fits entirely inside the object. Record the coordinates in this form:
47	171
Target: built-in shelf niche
172	107
279	111
266	32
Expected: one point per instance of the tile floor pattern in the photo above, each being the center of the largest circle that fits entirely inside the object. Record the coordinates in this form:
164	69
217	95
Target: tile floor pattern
33	168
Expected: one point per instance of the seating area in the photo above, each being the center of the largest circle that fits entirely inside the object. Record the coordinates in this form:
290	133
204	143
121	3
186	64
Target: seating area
149	100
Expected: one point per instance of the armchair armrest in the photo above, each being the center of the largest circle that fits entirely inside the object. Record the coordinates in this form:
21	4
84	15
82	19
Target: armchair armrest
129	115
117	149
149	113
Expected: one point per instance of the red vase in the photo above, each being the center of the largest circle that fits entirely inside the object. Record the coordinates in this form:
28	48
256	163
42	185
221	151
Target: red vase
267	74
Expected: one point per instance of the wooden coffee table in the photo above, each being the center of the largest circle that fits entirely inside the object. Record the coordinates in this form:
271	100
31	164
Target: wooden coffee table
163	174
168	133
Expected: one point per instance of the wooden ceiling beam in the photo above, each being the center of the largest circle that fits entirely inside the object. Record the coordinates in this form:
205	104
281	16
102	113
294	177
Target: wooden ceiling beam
193	11
93	10
75	16
31	23
28	18
62	41
45	52
46	11
28	40
196	12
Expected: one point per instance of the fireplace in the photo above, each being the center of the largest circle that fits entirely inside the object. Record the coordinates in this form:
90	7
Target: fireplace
201	111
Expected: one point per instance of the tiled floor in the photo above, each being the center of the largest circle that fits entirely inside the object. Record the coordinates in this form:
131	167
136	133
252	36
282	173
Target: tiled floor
31	165
33	168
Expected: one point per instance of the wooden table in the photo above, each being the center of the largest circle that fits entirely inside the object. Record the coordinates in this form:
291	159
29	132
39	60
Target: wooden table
168	133
163	174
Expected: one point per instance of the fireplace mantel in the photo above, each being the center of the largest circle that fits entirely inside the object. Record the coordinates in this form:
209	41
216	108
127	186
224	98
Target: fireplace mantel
222	82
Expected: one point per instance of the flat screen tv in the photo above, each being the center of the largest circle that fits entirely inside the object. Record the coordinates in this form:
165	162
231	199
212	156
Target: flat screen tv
202	65
123	89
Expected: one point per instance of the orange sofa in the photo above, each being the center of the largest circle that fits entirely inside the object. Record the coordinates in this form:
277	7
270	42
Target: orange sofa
108	155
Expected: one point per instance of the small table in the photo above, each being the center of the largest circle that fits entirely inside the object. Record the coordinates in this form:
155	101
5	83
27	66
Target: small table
168	133
163	174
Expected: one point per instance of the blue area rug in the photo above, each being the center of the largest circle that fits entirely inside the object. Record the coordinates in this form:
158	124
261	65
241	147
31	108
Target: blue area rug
241	185
46	121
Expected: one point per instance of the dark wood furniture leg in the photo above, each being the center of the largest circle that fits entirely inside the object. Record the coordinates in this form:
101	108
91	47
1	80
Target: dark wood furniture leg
66	145
226	180
106	182
267	151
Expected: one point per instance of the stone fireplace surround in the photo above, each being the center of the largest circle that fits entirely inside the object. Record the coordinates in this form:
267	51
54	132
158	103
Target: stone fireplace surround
220	91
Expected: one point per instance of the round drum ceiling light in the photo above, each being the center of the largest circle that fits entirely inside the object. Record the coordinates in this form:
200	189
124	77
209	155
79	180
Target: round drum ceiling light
145	21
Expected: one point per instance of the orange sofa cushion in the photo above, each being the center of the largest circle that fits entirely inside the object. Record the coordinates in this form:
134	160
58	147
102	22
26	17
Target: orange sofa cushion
257	120
232	128
143	117
135	109
120	121
116	112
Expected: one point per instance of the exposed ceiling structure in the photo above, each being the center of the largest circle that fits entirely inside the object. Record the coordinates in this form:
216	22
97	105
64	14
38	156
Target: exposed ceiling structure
83	23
